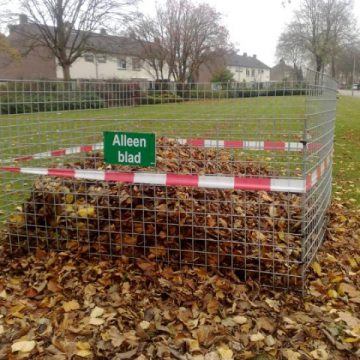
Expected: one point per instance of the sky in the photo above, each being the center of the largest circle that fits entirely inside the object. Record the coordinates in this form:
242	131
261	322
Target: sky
254	25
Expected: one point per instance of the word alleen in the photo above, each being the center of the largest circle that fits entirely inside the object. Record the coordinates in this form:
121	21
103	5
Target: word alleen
123	140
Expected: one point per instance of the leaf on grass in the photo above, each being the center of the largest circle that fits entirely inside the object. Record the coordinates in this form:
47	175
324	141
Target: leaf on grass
23	346
71	305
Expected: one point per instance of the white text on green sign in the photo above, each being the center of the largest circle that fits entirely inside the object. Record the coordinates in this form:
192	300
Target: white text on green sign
126	148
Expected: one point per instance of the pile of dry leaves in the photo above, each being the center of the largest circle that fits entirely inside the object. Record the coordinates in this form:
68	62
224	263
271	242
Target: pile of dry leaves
62	306
256	232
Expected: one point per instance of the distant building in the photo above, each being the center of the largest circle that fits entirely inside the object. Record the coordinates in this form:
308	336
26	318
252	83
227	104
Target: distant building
243	67
282	72
105	57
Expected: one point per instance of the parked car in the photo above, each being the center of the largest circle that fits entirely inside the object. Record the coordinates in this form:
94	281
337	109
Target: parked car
356	87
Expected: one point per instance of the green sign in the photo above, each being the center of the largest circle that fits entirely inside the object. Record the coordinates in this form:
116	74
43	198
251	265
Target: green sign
126	148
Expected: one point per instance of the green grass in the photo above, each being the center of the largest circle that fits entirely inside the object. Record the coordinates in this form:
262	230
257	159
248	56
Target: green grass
347	150
28	134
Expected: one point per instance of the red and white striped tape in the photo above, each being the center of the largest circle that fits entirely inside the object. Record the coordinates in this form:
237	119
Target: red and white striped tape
246	145
200	181
227	144
316	175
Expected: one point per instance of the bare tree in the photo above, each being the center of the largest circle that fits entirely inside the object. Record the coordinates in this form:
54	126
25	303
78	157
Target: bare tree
65	26
319	28
180	38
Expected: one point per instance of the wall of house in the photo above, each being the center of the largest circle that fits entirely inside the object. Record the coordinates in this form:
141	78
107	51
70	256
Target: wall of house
82	68
282	72
249	74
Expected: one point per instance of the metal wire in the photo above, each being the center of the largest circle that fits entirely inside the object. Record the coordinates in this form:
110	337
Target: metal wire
281	131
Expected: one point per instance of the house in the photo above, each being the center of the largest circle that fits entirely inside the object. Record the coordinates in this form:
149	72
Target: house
243	67
282	72
105	57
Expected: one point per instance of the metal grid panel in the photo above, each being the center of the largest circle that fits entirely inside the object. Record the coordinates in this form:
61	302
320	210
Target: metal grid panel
276	132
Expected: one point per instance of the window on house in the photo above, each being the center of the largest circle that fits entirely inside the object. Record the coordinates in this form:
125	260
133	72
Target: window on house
89	57
136	64
121	63
101	58
253	72
247	72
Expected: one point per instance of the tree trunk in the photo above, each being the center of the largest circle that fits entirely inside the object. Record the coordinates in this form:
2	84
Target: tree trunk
66	72
333	67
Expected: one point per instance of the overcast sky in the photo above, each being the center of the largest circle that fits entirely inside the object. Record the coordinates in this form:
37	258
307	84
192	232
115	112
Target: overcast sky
254	25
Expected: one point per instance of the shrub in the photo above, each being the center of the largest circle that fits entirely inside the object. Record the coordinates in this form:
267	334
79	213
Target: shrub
18	103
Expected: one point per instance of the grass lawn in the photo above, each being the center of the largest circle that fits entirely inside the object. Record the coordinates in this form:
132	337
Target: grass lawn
347	150
28	134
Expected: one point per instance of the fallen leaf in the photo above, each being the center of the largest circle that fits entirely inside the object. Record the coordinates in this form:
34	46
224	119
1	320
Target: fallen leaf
193	345
270	341
96	321
85	212
126	355
317	268
71	305
349	319
53	286
351	340
332	294
23	346
345	288
291	354
240	319
30	293
225	352
144	325
212	306
274	304
319	354
83	349
97	312
257	337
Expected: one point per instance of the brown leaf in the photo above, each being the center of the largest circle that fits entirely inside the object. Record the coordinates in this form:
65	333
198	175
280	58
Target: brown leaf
30	293
71	305
212	306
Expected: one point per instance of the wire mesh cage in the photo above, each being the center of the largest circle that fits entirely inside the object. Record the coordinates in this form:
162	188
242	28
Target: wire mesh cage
241	177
